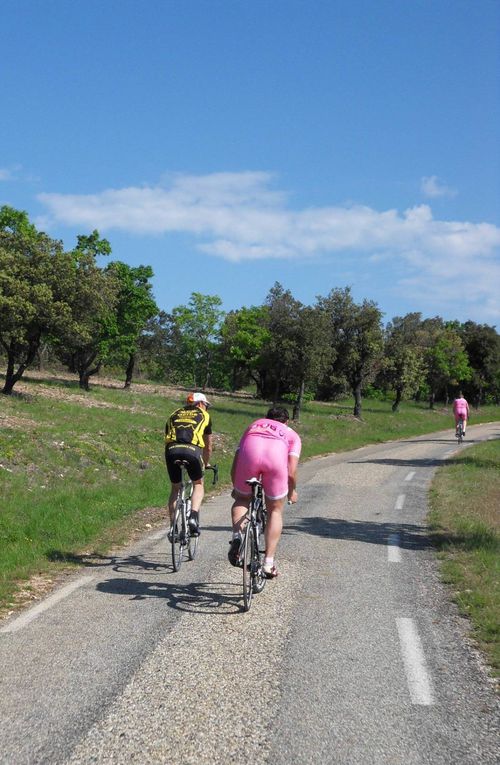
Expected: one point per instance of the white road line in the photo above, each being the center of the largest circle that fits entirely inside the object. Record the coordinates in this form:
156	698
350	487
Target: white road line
410	476
393	549
417	676
400	502
32	614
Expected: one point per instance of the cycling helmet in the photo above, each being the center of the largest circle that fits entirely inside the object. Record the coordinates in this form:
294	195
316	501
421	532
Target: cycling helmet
197	398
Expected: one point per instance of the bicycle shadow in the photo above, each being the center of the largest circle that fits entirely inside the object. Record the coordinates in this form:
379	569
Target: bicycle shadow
213	598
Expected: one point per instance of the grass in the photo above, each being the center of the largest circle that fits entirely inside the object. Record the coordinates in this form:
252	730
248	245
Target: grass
77	471
465	521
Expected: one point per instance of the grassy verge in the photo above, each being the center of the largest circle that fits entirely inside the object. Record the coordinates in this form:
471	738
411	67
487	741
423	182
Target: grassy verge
78	471
464	518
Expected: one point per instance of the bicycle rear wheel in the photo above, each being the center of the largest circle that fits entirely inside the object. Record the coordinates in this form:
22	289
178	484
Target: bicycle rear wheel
193	544
177	538
248	555
258	576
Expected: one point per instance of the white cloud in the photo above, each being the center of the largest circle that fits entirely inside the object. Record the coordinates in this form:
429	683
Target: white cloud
238	216
433	187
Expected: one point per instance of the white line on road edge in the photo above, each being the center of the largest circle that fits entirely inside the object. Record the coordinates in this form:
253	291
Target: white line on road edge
28	617
410	476
393	549
419	682
400	502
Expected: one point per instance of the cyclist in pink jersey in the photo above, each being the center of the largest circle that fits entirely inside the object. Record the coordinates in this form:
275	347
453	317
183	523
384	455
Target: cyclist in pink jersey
268	450
461	410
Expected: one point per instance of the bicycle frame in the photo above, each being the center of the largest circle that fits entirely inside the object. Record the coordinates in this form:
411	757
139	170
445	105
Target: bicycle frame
254	579
460	430
181	536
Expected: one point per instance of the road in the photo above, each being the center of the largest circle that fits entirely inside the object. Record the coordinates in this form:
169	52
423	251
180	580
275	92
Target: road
355	654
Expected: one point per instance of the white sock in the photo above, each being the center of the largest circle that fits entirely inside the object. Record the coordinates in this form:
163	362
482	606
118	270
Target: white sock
268	561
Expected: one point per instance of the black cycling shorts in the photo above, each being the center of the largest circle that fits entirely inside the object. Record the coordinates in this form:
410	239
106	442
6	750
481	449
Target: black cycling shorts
191	454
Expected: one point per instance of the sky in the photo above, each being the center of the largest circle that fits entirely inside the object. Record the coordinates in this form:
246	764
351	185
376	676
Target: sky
231	144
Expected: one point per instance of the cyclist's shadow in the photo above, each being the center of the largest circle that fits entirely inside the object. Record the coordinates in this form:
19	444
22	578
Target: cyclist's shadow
215	598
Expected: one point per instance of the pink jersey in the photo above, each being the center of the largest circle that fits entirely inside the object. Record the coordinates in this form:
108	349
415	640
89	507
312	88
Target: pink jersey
460	407
263	452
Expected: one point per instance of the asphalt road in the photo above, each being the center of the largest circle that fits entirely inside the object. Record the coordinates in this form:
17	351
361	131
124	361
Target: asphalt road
353	655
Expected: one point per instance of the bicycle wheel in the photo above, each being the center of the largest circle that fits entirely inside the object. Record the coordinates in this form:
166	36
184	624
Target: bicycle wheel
193	544
261	516
177	538
258	576
248	547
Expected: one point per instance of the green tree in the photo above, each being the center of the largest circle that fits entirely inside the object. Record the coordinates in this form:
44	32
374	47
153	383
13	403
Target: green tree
482	345
245	335
135	306
35	280
156	348
90	336
404	365
355	341
447	362
198	335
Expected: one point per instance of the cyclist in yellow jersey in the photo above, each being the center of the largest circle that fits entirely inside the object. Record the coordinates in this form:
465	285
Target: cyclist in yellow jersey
188	436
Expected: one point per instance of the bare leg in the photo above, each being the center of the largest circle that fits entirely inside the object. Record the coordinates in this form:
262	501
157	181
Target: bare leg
174	492
274	525
198	494
238	512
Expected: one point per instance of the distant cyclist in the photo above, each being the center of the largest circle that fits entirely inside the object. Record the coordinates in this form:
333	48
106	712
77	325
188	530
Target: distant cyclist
461	411
268	450
188	436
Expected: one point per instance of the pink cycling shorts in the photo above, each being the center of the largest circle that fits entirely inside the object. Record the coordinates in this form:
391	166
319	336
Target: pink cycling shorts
265	459
263	453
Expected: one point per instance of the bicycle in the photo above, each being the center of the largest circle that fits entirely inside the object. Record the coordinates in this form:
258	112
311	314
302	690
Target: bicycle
460	430
181	538
254	579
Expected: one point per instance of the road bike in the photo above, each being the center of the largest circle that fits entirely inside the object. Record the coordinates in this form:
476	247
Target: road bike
181	539
252	555
460	430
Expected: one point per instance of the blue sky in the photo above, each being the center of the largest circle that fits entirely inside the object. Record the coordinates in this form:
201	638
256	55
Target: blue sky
231	144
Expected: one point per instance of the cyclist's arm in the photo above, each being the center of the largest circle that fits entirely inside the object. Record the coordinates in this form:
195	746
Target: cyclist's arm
293	462
233	466
207	449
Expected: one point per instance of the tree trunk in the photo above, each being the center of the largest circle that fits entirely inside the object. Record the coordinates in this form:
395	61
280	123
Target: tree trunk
432	398
85	373
11	376
298	404
130	370
397	401
357	399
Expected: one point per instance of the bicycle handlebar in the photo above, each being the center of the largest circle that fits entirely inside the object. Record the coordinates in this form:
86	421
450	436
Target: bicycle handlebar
215	468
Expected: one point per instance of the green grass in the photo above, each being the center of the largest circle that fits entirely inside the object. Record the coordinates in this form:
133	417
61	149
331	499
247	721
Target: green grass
76	469
465	520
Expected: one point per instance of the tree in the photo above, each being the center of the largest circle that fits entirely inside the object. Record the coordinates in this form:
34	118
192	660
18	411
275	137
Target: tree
311	354
482	345
91	334
447	362
404	366
35	281
355	341
198	326
135	306
245	335
156	347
